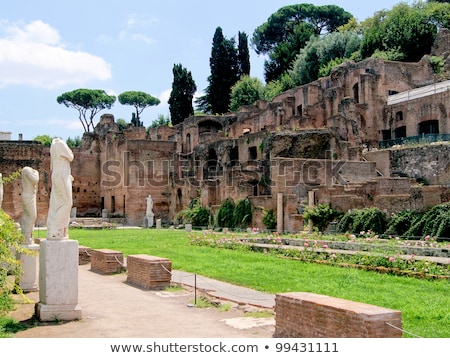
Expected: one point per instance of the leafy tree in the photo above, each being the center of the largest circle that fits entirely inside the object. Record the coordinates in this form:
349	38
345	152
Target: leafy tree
161	121
438	12
11	241
73	143
183	90
287	31
319	51
274	88
45	139
224	74
389	55
140	101
243	55
409	30
88	103
122	124
246	91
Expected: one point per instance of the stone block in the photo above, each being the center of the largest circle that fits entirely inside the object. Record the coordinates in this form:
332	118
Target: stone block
105	261
84	255
58	281
29	279
309	315
149	272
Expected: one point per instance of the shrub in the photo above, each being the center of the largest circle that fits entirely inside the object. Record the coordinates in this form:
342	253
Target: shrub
243	213
358	220
401	222
196	214
435	222
225	213
10	245
321	215
269	219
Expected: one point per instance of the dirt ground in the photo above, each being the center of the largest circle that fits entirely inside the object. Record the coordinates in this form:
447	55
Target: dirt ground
111	308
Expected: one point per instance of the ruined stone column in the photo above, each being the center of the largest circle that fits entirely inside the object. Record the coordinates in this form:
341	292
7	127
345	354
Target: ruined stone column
280	213
311	202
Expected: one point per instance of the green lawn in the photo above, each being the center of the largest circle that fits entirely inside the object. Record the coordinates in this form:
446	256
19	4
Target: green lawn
425	304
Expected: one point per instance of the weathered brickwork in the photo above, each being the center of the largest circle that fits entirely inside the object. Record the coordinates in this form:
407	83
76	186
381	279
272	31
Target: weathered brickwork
309	315
149	272
323	137
105	261
84	255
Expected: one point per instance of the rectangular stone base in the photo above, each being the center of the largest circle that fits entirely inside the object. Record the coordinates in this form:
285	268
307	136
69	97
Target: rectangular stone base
29	279
309	315
105	261
84	255
58	272
149	272
49	313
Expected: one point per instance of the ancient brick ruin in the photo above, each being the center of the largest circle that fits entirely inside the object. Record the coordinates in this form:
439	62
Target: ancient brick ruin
338	137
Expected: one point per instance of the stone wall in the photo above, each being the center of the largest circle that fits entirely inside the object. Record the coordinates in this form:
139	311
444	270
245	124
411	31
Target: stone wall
308	138
14	156
308	315
130	170
428	164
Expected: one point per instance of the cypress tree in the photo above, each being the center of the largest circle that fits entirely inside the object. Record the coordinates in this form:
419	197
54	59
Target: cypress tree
224	74
243	55
183	90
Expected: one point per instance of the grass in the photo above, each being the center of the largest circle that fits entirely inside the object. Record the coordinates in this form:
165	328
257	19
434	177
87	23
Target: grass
424	303
9	326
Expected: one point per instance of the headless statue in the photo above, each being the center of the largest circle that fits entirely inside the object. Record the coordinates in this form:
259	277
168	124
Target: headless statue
61	193
30	179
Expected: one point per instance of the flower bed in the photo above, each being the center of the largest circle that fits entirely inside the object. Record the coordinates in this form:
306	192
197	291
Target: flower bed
366	252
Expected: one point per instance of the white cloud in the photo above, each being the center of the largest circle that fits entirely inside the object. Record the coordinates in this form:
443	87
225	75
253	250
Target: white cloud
138	21
164	96
36	31
130	36
33	55
143	38
141	20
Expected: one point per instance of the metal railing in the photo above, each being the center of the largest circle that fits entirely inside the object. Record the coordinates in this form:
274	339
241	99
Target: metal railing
415	140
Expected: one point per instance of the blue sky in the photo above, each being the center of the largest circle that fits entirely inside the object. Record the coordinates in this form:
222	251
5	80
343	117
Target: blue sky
51	47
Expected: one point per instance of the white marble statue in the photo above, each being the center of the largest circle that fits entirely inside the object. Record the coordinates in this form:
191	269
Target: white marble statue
30	179
61	192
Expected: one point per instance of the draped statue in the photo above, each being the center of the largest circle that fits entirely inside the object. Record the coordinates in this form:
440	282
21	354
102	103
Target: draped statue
61	192
30	179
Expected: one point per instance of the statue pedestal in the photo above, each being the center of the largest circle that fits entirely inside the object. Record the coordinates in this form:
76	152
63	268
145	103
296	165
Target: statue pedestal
148	220
58	281
29	280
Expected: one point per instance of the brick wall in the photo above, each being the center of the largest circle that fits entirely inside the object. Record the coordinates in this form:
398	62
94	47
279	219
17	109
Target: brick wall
308	315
